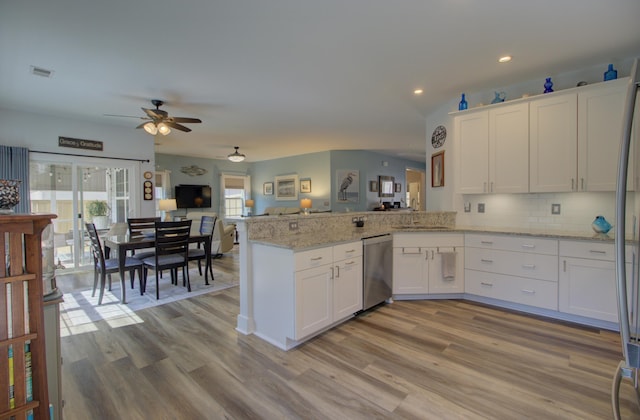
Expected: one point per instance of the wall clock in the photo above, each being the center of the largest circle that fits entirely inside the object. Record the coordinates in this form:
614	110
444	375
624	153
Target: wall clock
439	136
148	175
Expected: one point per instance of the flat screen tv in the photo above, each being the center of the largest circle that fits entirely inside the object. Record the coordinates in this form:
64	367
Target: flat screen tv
193	196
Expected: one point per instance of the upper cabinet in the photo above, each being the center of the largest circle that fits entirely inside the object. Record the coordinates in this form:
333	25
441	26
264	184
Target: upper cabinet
559	142
494	150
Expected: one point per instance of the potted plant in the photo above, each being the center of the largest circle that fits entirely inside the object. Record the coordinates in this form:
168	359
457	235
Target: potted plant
98	210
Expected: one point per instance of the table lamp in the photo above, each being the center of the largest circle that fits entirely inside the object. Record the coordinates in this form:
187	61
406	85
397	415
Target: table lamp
167	206
249	204
305	205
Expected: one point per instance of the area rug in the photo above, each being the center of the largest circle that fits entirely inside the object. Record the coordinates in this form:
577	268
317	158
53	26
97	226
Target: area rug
80	310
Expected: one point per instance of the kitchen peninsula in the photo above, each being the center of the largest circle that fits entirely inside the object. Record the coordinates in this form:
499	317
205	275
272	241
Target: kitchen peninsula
288	292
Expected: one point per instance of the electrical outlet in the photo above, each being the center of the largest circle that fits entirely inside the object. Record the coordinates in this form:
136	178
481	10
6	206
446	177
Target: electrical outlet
555	209
480	207
293	225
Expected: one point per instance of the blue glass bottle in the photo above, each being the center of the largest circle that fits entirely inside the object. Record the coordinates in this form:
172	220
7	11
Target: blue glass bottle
463	104
548	85
611	73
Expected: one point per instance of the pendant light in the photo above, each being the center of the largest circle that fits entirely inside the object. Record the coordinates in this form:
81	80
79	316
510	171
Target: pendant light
235	156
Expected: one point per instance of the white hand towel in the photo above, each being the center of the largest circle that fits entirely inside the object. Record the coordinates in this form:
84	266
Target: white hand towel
448	260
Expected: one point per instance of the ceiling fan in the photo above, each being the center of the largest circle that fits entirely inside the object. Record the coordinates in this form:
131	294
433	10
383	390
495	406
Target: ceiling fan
159	121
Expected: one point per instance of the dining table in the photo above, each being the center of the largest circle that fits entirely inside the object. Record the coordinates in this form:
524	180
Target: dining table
124	243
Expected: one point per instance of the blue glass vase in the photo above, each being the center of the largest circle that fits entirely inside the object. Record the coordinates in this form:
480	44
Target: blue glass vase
611	73
463	104
548	86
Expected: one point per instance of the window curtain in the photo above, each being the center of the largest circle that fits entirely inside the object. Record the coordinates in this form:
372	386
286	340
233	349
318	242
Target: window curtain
14	164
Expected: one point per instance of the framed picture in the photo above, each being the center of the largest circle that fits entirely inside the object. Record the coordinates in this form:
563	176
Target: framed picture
437	169
398	187
385	186
348	185
373	186
287	187
305	185
267	188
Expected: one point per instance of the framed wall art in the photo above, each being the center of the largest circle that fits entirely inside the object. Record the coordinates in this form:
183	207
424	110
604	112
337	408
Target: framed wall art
385	186
287	187
437	169
373	186
267	188
305	185
398	187
348	185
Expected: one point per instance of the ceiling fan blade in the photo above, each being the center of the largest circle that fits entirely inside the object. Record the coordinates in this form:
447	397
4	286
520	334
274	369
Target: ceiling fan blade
125	116
185	120
141	125
154	114
177	126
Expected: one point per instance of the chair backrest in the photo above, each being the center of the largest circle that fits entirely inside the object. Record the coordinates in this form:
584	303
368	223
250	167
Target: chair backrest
96	247
140	224
172	238
207	223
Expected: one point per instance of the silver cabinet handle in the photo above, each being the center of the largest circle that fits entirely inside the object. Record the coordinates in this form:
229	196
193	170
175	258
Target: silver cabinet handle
529	266
528	246
486	242
564	266
486	284
332	274
351	250
337	271
596	251
316	259
528	291
572	184
350	262
412	253
491	187
486	261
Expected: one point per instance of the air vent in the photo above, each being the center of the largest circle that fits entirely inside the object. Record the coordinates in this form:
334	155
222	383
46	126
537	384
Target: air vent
39	71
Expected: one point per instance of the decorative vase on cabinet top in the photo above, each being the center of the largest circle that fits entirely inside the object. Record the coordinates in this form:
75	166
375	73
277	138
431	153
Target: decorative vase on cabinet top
600	225
500	96
463	104
9	195
548	85
611	73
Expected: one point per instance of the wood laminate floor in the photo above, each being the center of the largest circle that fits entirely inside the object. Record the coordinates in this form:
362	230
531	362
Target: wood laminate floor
406	360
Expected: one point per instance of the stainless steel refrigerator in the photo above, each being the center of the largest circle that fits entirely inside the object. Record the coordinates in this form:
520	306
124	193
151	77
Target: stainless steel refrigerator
626	232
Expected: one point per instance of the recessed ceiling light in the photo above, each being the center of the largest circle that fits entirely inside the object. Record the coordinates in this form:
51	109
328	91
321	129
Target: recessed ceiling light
504	59
418	92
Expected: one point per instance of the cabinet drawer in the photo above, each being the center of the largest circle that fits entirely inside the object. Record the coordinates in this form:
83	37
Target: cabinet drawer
539	293
537	266
512	243
587	249
344	251
420	239
313	258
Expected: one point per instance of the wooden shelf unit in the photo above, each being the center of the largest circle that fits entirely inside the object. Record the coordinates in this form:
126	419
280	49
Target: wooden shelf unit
21	248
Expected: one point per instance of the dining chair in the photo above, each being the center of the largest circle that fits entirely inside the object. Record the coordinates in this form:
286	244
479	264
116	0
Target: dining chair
103	268
207	223
137	227
171	253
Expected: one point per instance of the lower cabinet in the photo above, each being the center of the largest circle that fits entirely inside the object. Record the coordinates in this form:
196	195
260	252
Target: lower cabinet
588	279
427	263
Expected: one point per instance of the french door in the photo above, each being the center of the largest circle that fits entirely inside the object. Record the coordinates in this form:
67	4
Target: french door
81	191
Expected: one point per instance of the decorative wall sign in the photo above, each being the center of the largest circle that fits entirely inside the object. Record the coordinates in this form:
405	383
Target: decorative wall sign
287	187
305	185
193	170
437	169
439	136
348	183
147	189
80	143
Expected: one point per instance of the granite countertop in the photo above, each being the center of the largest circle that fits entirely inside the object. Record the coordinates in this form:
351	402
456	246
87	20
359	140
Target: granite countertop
301	242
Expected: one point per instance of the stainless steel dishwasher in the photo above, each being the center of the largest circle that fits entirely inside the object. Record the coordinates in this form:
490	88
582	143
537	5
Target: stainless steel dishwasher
378	270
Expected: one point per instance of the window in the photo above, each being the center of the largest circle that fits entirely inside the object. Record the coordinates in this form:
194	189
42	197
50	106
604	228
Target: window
235	190
234	202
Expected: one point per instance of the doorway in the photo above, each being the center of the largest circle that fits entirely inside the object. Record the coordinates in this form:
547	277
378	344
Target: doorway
416	198
86	190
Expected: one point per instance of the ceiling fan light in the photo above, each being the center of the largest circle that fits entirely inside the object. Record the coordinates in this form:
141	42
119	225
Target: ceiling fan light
163	129
235	156
150	128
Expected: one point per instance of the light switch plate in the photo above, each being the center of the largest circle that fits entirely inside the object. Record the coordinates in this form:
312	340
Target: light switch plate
480	207
555	209
293	225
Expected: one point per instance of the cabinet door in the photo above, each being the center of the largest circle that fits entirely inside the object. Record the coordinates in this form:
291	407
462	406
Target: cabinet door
347	288
472	132
509	149
588	288
438	283
553	143
600	111
314	293
410	274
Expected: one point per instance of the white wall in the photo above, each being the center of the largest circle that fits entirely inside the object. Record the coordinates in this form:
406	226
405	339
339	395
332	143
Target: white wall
518	210
40	132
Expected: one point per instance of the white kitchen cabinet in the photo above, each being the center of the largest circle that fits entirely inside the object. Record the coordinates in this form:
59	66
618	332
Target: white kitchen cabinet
553	143
297	295
587	280
417	263
600	109
494	150
472	132
518	269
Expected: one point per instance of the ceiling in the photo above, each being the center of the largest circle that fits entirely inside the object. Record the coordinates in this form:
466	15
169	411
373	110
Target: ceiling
287	77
